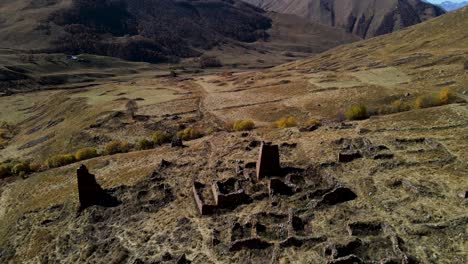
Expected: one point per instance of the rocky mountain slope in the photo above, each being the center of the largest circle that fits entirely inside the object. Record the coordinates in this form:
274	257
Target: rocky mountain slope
365	18
139	30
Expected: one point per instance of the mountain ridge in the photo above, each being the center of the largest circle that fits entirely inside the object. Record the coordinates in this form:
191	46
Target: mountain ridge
365	18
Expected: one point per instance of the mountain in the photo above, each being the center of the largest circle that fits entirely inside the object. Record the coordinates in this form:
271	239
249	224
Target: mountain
391	188
139	30
365	18
144	30
450	6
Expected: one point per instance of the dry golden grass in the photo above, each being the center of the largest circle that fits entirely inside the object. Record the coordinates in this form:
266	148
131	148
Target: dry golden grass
285	122
242	125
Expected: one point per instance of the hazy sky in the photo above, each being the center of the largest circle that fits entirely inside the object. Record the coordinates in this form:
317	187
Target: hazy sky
440	1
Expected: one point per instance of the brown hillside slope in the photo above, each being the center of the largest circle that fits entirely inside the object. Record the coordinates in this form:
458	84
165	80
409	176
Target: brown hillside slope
157	31
365	18
407	167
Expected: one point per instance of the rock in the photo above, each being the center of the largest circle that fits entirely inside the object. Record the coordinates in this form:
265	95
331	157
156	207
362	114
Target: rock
383	156
463	194
288	145
252	144
309	128
166	256
249	243
351	259
176	142
164	164
277	186
348	156
361	131
364	228
338	195
183	260
340	250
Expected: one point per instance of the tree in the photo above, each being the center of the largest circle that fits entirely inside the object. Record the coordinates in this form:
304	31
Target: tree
132	107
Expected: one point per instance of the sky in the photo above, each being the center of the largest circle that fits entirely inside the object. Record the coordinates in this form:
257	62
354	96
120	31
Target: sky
440	1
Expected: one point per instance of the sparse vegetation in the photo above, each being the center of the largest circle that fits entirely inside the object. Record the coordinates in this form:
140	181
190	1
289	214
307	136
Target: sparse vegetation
60	160
116	146
243	125
132	108
86	153
7	132
444	96
286	121
144	143
160	137
356	112
189	133
425	101
21	169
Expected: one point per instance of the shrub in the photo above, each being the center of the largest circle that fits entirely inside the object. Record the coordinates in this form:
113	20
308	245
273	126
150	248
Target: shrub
400	105
144	143
35	166
160	137
21	169
60	160
444	95
356	112
425	101
286	121
86	153
209	62
189	133
116	146
243	125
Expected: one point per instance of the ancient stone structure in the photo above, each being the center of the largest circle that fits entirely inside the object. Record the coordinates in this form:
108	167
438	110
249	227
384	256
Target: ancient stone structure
268	163
229	194
365	228
89	190
277	186
201	194
339	194
348	156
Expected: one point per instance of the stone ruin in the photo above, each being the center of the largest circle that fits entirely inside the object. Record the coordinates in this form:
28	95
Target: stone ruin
90	192
356	148
295	196
88	189
268	163
227	194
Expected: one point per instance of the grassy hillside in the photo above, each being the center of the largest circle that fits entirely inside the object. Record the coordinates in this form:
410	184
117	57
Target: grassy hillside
405	159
